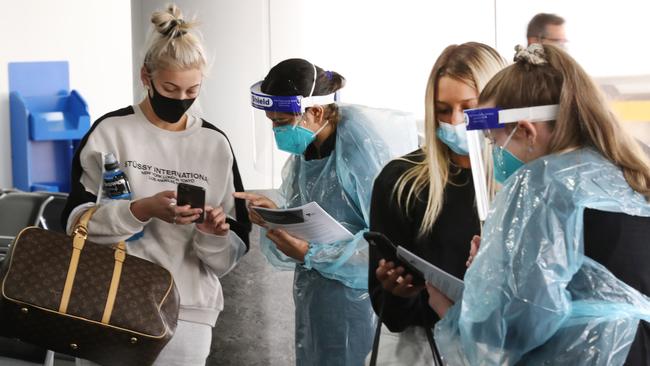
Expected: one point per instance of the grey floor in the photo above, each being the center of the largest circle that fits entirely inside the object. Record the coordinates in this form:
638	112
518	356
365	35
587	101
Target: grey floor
257	323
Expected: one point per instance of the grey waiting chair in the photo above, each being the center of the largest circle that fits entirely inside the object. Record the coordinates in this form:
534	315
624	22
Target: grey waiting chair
17	211
51	217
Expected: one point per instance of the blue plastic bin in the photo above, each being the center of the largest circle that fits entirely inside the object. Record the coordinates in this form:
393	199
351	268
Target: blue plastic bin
47	123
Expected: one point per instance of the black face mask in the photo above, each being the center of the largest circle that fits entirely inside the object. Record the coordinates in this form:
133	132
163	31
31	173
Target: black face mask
168	109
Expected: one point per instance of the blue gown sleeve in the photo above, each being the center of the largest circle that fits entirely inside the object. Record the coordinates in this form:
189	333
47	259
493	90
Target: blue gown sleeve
516	293
344	261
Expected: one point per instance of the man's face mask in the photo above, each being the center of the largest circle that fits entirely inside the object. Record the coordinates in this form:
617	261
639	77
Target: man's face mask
294	139
168	109
505	163
453	136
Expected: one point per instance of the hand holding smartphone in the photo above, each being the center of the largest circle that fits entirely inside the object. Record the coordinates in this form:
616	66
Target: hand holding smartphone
188	194
388	251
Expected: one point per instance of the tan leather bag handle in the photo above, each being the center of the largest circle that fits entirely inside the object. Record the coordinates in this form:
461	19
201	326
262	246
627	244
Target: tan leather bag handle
80	234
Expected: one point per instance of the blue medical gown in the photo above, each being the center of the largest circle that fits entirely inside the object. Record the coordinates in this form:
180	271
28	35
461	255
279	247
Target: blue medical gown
531	296
334	317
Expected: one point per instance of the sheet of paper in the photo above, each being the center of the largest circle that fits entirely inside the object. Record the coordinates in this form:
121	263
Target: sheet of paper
449	285
308	222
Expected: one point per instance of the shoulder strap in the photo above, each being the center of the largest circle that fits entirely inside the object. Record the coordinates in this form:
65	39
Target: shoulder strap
82	224
434	350
375	343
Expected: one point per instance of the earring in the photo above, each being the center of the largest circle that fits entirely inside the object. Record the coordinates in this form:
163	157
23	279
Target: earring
530	148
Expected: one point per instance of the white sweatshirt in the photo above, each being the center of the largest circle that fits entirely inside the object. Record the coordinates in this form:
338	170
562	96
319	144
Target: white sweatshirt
156	160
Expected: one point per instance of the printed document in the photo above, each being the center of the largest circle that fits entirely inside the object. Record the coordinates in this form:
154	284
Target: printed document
308	222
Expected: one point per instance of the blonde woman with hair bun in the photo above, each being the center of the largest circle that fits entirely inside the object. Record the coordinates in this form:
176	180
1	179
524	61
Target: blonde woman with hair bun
160	143
424	201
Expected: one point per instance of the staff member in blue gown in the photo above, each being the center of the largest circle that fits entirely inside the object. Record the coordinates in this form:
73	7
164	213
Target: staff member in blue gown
337	150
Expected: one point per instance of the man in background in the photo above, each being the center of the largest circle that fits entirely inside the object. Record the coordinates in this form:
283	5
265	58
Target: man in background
546	28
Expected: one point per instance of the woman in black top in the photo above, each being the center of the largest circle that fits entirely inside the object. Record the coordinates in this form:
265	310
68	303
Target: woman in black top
424	201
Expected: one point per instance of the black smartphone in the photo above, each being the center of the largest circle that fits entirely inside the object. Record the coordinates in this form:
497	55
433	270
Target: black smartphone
188	194
388	251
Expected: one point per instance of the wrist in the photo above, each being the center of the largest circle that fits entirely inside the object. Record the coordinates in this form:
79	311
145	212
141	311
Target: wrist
306	257
441	305
303	252
140	210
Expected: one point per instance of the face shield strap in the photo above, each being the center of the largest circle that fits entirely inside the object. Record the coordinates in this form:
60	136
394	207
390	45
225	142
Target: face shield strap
491	118
510	137
313	84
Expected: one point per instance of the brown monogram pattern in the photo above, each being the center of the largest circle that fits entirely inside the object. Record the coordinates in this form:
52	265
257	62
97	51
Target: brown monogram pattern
104	345
40	264
33	276
133	302
92	281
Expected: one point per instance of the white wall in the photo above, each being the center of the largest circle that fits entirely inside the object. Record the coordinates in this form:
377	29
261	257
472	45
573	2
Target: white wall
94	36
384	49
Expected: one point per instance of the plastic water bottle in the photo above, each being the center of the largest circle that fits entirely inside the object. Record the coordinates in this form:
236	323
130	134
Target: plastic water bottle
116	184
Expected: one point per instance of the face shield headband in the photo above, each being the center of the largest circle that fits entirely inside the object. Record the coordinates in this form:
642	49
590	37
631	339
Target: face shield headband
294	104
491	118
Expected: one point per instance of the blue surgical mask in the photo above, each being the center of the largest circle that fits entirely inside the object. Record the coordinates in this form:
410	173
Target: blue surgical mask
505	163
454	136
295	139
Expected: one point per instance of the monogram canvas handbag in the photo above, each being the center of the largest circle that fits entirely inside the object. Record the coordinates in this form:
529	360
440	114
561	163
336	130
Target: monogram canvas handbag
86	300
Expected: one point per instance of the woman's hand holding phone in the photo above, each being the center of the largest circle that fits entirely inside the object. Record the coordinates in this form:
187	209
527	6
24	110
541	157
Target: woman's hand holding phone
162	205
393	281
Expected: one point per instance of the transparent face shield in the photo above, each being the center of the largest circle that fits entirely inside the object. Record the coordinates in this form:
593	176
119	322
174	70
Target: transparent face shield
480	124
287	114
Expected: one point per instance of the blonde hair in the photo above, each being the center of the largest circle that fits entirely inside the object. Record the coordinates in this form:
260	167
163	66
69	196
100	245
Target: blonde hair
171	44
473	64
584	118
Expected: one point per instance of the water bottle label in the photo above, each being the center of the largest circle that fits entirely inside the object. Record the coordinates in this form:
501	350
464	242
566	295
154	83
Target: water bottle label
117	187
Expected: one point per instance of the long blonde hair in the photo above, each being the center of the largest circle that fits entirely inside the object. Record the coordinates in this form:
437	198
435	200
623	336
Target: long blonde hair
172	44
471	63
584	117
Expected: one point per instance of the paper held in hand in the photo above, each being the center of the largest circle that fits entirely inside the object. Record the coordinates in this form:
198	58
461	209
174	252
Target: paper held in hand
449	285
308	222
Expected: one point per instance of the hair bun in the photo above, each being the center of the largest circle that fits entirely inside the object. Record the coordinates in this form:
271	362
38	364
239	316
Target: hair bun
533	54
170	23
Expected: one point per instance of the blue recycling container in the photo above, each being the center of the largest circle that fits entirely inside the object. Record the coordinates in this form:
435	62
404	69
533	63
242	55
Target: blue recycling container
48	120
